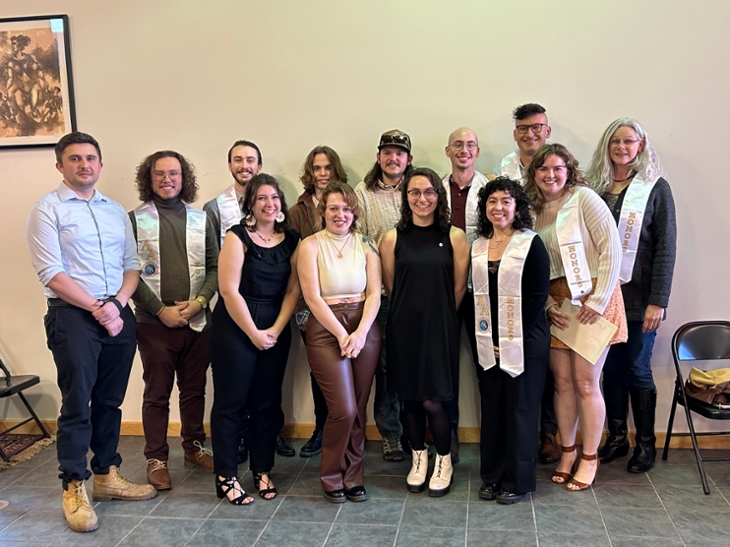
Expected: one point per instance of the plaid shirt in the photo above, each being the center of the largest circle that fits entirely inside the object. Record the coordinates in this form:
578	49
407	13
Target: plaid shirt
379	210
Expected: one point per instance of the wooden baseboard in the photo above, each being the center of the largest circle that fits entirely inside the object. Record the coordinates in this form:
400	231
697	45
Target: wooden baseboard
304	431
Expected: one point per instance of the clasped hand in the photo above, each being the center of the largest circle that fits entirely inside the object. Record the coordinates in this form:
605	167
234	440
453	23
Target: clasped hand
264	339
351	345
108	317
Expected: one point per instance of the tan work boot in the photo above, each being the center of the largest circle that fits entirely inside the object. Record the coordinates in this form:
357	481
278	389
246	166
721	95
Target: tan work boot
202	457
113	486
158	475
79	514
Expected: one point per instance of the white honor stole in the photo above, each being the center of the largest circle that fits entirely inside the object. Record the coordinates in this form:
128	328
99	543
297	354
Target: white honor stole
629	224
148	248
572	250
229	210
509	281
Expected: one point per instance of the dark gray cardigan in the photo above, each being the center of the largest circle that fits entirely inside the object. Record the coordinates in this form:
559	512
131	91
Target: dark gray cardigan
651	280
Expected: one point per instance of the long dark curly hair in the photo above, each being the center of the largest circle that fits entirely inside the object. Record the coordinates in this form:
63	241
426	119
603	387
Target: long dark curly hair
143	179
263	179
442	214
523	218
575	175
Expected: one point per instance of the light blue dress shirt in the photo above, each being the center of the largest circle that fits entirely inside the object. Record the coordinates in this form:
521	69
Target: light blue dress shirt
91	241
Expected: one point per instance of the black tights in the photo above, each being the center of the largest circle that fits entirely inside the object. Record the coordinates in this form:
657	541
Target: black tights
415	413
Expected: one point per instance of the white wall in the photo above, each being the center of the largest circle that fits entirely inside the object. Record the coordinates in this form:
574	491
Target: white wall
195	76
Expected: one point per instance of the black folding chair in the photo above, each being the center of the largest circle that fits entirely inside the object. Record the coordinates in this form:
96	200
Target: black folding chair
698	341
14	385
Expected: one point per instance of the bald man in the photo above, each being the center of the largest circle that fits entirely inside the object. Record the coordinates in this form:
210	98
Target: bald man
462	189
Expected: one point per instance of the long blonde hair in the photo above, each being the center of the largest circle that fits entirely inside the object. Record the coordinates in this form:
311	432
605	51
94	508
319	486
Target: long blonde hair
646	163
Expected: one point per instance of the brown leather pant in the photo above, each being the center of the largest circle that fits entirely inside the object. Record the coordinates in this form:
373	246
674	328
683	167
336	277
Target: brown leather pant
346	385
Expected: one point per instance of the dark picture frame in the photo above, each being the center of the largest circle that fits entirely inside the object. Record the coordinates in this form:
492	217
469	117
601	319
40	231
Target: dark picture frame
36	85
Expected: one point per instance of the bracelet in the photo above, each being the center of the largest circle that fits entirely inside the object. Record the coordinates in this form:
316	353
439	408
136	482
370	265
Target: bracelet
113	300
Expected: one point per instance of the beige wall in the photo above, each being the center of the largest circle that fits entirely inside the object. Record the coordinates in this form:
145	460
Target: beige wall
194	76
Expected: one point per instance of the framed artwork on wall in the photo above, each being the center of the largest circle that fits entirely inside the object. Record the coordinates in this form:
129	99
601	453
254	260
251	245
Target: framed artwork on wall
36	87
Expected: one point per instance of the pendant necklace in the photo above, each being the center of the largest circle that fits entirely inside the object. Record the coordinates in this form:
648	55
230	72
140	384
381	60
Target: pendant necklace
339	251
267	241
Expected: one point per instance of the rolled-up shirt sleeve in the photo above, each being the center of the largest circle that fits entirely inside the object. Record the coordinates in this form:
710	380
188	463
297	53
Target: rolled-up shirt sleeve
45	250
131	258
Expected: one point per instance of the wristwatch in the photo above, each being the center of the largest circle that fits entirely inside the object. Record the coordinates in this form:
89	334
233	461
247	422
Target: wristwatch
202	301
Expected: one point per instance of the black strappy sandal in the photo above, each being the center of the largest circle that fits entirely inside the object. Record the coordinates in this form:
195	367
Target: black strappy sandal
258	479
222	487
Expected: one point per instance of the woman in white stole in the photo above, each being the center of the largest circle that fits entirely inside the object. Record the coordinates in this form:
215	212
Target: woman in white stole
585	256
511	275
625	171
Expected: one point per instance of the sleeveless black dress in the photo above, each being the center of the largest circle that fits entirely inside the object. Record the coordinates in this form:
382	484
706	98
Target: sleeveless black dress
264	278
422	336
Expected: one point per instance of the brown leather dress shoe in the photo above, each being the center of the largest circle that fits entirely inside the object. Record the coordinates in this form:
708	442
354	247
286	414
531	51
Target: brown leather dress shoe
202	458
549	448
158	475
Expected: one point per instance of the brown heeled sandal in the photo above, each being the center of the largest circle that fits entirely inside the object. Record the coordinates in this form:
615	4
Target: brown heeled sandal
578	486
559	477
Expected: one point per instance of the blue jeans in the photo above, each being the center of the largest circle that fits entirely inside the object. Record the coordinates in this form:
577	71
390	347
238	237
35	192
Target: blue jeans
629	364
386	405
93	371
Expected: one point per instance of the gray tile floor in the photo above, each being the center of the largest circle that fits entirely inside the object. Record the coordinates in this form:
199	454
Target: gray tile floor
665	507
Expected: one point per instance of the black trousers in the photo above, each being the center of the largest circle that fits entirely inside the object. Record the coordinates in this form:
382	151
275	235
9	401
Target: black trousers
246	378
93	371
510	410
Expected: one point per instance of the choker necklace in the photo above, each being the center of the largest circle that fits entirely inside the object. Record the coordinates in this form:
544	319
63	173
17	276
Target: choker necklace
631	176
267	241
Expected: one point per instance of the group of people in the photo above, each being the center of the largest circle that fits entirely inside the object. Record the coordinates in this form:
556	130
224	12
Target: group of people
380	280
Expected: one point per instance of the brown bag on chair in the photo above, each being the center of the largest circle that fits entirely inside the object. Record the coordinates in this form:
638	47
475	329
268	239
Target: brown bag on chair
710	387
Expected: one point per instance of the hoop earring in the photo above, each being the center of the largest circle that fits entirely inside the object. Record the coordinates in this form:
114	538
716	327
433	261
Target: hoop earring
249	220
280	217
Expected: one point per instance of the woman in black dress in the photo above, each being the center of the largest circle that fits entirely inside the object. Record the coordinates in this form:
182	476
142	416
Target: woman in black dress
509	262
425	263
250	336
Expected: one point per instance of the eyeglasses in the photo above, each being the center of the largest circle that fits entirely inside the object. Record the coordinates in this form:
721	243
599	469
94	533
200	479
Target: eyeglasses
626	142
470	146
535	128
428	193
160	175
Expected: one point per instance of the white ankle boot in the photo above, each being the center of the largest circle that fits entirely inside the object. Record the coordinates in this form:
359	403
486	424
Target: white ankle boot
440	482
416	479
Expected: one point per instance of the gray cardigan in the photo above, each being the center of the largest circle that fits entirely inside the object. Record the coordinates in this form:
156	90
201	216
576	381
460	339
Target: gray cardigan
651	280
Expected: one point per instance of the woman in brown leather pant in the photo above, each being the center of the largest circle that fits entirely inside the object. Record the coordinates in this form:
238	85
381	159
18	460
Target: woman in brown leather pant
339	271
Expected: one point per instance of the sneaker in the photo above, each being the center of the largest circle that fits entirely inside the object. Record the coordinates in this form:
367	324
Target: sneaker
113	486
79	514
202	457
393	450
313	446
158	475
284	447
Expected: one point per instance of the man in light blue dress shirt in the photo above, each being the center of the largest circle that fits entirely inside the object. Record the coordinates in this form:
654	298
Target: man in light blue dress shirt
85	255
